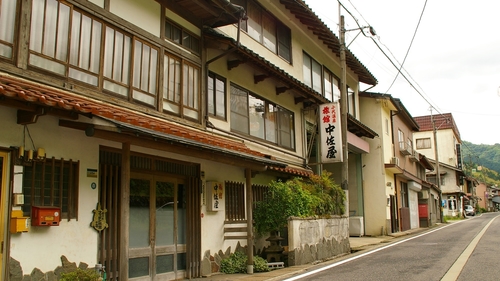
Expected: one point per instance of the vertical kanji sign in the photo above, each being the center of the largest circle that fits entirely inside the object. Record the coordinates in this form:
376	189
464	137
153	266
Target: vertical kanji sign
330	133
215	196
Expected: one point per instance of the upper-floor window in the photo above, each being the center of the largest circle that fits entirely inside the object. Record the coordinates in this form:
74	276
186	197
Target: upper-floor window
7	22
266	29
216	95
182	37
423	143
401	139
259	118
312	73
331	86
181	87
351	101
72	44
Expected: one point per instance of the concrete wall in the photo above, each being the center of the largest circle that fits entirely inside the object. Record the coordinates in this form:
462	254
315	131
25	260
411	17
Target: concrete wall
312	240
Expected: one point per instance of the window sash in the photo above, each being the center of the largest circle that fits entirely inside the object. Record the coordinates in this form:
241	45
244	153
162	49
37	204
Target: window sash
424	143
181	37
7	22
216	96
312	73
181	87
259	118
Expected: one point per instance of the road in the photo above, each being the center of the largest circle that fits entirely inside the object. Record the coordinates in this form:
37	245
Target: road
464	250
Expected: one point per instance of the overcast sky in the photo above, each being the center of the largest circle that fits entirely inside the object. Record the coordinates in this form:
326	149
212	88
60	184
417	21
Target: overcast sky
454	60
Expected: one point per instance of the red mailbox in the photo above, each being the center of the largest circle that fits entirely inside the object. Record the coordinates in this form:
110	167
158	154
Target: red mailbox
423	211
45	216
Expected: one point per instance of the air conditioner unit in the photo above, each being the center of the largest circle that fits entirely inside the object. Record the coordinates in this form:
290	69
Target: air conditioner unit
395	161
414	157
424	194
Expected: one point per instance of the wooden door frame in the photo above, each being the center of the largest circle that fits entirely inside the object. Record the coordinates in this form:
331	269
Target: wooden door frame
5	212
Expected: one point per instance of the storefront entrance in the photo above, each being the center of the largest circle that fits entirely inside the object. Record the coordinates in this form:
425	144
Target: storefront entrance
157	228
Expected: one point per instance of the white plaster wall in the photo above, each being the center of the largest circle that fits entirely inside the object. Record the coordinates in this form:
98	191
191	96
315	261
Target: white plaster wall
144	14
42	247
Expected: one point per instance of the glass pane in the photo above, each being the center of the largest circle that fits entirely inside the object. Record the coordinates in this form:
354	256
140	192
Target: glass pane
63	33
139	213
181	261
316	76
306	71
254	22
211	95
269	28
181	216
164	263
165	203
75	38
220	98
256	109
36	26
7	20
136	81
271	116
50	28
138	267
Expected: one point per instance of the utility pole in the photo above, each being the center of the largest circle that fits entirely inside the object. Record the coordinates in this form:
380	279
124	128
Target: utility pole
438	175
343	112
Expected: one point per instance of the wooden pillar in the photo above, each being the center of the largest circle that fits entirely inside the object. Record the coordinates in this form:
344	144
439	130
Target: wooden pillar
124	211
249	203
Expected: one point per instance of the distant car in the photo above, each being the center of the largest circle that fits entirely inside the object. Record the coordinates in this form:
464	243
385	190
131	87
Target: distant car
469	210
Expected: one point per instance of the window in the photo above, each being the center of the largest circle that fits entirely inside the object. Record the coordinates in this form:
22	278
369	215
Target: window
51	183
144	79
182	37
424	143
259	118
216	96
49	39
7	22
401	140
409	146
387	126
235	201
351	101
331	86
404	195
181	87
312	73
266	29
72	44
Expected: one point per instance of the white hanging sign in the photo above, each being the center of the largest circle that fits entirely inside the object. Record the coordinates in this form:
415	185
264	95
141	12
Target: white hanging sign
330	133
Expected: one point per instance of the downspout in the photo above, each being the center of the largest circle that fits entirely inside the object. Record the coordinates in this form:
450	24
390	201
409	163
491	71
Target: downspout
242	14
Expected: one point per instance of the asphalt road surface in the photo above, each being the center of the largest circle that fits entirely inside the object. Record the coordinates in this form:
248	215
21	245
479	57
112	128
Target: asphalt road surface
465	250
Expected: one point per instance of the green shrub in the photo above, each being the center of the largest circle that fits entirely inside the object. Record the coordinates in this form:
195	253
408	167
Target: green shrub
237	263
80	275
319	195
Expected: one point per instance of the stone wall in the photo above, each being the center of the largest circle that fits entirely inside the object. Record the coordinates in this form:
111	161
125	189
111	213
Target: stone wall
313	239
16	272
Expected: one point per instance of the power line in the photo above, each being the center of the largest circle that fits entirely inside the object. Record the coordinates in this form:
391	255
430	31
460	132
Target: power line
409	47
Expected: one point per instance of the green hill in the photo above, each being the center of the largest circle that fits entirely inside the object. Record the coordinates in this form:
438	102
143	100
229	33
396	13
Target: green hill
482	161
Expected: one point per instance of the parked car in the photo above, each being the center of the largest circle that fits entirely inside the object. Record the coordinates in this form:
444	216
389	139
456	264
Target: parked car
469	210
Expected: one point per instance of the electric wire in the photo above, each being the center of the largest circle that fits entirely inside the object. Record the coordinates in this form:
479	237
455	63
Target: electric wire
409	47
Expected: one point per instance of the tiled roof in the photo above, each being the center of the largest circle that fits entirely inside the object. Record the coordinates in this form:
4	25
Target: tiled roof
17	89
307	17
442	122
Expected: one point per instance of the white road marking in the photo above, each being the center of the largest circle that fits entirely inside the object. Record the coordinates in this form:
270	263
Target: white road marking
455	270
